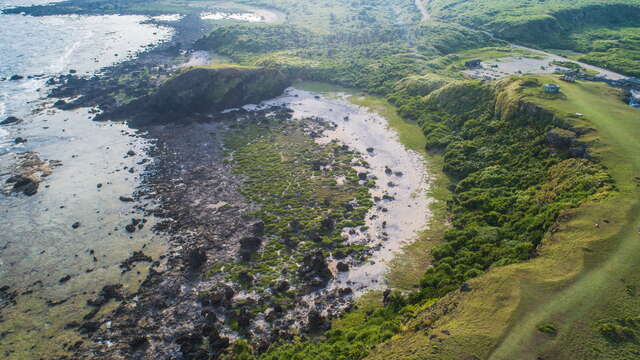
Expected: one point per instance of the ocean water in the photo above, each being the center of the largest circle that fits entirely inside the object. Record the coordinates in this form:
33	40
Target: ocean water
39	47
38	245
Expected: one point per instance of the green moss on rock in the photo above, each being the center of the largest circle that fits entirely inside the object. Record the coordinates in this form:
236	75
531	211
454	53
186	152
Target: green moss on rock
215	88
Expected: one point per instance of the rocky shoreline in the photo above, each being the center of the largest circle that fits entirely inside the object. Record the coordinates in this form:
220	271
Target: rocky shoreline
180	310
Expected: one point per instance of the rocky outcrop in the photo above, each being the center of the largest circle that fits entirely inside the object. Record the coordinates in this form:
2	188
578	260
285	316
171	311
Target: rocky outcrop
566	141
314	270
10	120
215	88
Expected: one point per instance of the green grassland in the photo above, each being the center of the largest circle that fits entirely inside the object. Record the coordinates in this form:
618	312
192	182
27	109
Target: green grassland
602	295
332	16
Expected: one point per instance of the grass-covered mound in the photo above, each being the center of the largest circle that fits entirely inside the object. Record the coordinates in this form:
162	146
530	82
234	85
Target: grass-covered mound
215	88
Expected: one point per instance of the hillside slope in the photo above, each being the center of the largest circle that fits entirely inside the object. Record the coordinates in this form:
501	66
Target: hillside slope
577	299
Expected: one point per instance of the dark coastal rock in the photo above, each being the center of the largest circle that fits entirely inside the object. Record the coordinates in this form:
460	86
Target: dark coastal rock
314	269
219	295
249	246
19	140
195	257
107	293
24	184
137	256
89	327
214	88
217	343
345	291
244	318
191	346
328	224
60	104
316	322
7	297
245	278
16	77
258	228
10	120
385	296
280	286
342	267
64	279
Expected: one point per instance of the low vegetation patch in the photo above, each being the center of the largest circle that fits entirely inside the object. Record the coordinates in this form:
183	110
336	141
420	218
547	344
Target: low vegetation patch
307	194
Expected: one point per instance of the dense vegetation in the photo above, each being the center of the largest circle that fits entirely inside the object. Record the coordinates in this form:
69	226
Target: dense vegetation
605	30
513	172
612	48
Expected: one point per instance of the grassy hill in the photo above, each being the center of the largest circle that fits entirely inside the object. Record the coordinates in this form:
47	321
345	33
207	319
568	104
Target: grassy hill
578	298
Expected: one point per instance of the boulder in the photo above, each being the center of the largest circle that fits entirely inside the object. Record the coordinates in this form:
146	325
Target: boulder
195	257
342	267
249	246
316	322
314	269
24	184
